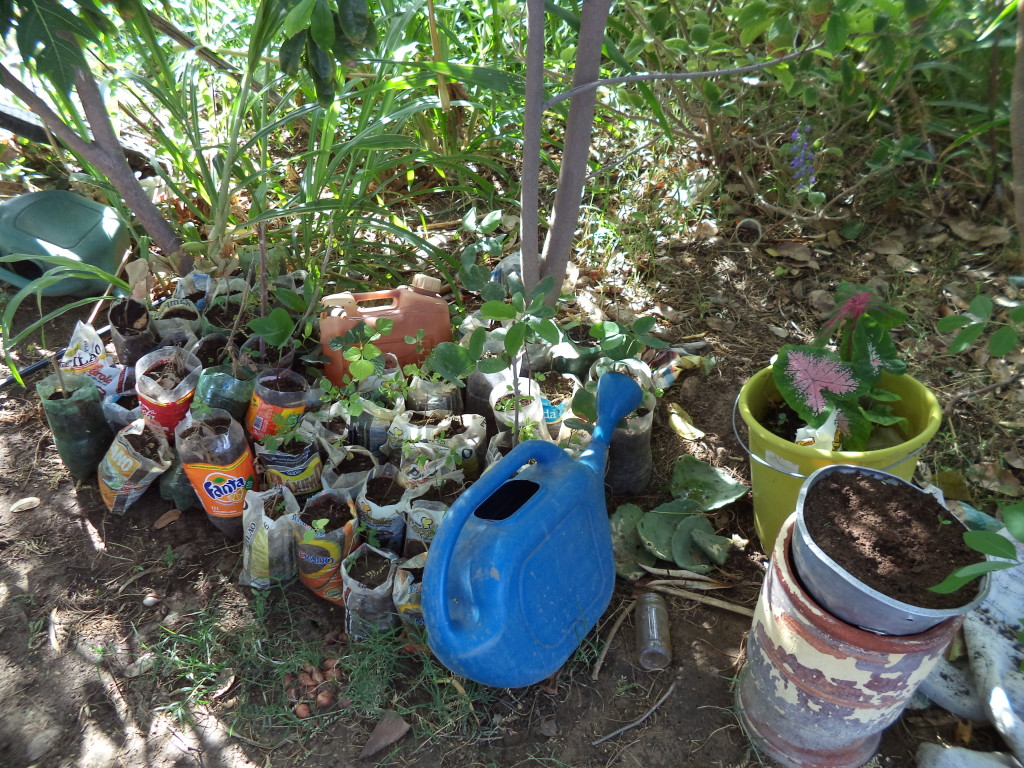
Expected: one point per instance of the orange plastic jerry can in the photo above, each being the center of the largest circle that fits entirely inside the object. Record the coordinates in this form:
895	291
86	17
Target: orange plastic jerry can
410	307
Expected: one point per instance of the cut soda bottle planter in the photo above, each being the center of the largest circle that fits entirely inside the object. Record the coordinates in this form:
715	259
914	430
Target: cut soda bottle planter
522	568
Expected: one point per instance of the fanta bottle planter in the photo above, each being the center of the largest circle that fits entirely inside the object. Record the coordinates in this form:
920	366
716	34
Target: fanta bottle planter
218	462
779	467
411	308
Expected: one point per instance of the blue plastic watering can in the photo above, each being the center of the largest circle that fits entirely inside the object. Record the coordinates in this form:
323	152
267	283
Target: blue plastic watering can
521	568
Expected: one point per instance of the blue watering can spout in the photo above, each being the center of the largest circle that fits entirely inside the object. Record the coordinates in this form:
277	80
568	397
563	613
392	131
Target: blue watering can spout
617	397
521	567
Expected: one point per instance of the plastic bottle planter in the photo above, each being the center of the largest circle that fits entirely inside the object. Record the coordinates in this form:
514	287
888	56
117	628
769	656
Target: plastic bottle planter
845	596
531	407
505	598
817	692
227	387
778	467
271	358
130	330
165	381
629	457
79	428
218	462
278	401
426	395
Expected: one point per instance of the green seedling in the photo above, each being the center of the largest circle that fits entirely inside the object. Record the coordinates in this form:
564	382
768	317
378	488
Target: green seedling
991	544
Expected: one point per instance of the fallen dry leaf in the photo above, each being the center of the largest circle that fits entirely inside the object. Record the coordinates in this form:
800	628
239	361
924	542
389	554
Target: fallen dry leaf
994	235
791	250
902	263
1014	459
682	423
166	519
25	504
887	247
994	478
391	728
822	301
965	229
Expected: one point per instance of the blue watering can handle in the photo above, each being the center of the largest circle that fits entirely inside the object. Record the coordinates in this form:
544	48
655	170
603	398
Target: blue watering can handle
754	457
441	551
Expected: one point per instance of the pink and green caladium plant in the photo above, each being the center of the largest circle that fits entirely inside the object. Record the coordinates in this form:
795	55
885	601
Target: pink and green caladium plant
816	381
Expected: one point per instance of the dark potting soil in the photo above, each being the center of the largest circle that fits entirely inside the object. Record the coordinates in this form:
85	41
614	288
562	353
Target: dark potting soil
144	445
384	491
425	419
507	403
208	427
556	387
330	508
781	420
59	394
167	374
184	313
129	317
128	402
356	462
274	507
210	351
890	537
456	428
338	425
292	447
281	385
369	569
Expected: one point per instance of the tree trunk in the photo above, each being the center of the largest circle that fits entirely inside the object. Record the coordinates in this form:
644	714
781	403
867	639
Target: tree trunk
104	152
576	148
1017	137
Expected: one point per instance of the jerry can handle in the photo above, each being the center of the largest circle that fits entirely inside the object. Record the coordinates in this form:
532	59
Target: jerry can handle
443	547
348	301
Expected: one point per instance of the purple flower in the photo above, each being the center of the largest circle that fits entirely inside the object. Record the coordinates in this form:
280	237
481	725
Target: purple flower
802	161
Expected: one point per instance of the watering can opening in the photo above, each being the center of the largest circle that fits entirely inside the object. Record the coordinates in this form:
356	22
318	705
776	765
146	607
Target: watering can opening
508	499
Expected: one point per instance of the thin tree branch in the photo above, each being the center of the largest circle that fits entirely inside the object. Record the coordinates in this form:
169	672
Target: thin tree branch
972	393
528	188
51	119
560	97
635	723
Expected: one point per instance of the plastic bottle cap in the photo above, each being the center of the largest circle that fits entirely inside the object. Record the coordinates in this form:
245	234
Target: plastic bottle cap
426	283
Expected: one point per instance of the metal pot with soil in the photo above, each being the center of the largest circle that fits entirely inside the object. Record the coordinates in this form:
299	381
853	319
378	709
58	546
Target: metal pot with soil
868	545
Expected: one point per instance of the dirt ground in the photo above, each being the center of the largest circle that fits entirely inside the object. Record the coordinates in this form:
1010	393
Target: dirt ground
75	682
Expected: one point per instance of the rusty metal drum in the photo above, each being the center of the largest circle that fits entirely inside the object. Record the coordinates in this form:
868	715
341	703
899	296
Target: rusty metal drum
817	692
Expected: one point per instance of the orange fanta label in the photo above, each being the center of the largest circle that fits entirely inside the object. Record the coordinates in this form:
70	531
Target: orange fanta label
265	418
222	489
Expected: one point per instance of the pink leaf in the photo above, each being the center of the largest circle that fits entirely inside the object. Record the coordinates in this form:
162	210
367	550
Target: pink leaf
814	376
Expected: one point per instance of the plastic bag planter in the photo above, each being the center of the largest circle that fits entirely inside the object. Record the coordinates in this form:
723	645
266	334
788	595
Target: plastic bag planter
817	692
779	467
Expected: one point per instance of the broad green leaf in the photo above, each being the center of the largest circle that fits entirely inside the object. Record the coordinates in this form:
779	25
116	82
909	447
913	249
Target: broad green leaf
951	323
47	33
275	329
490	222
1017	314
497	310
355	20
514	338
837	32
1004	341
686	553
321	25
493	292
371	351
965	575
656	530
298	17
700	34
548	331
290	55
710	486
626	544
361	369
543	288
966	337
452	362
981	307
493	364
385	326
644	325
991	543
477	339
1013	519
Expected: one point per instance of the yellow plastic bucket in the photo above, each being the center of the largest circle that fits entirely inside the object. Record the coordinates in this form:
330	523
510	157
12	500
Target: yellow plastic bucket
778	467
